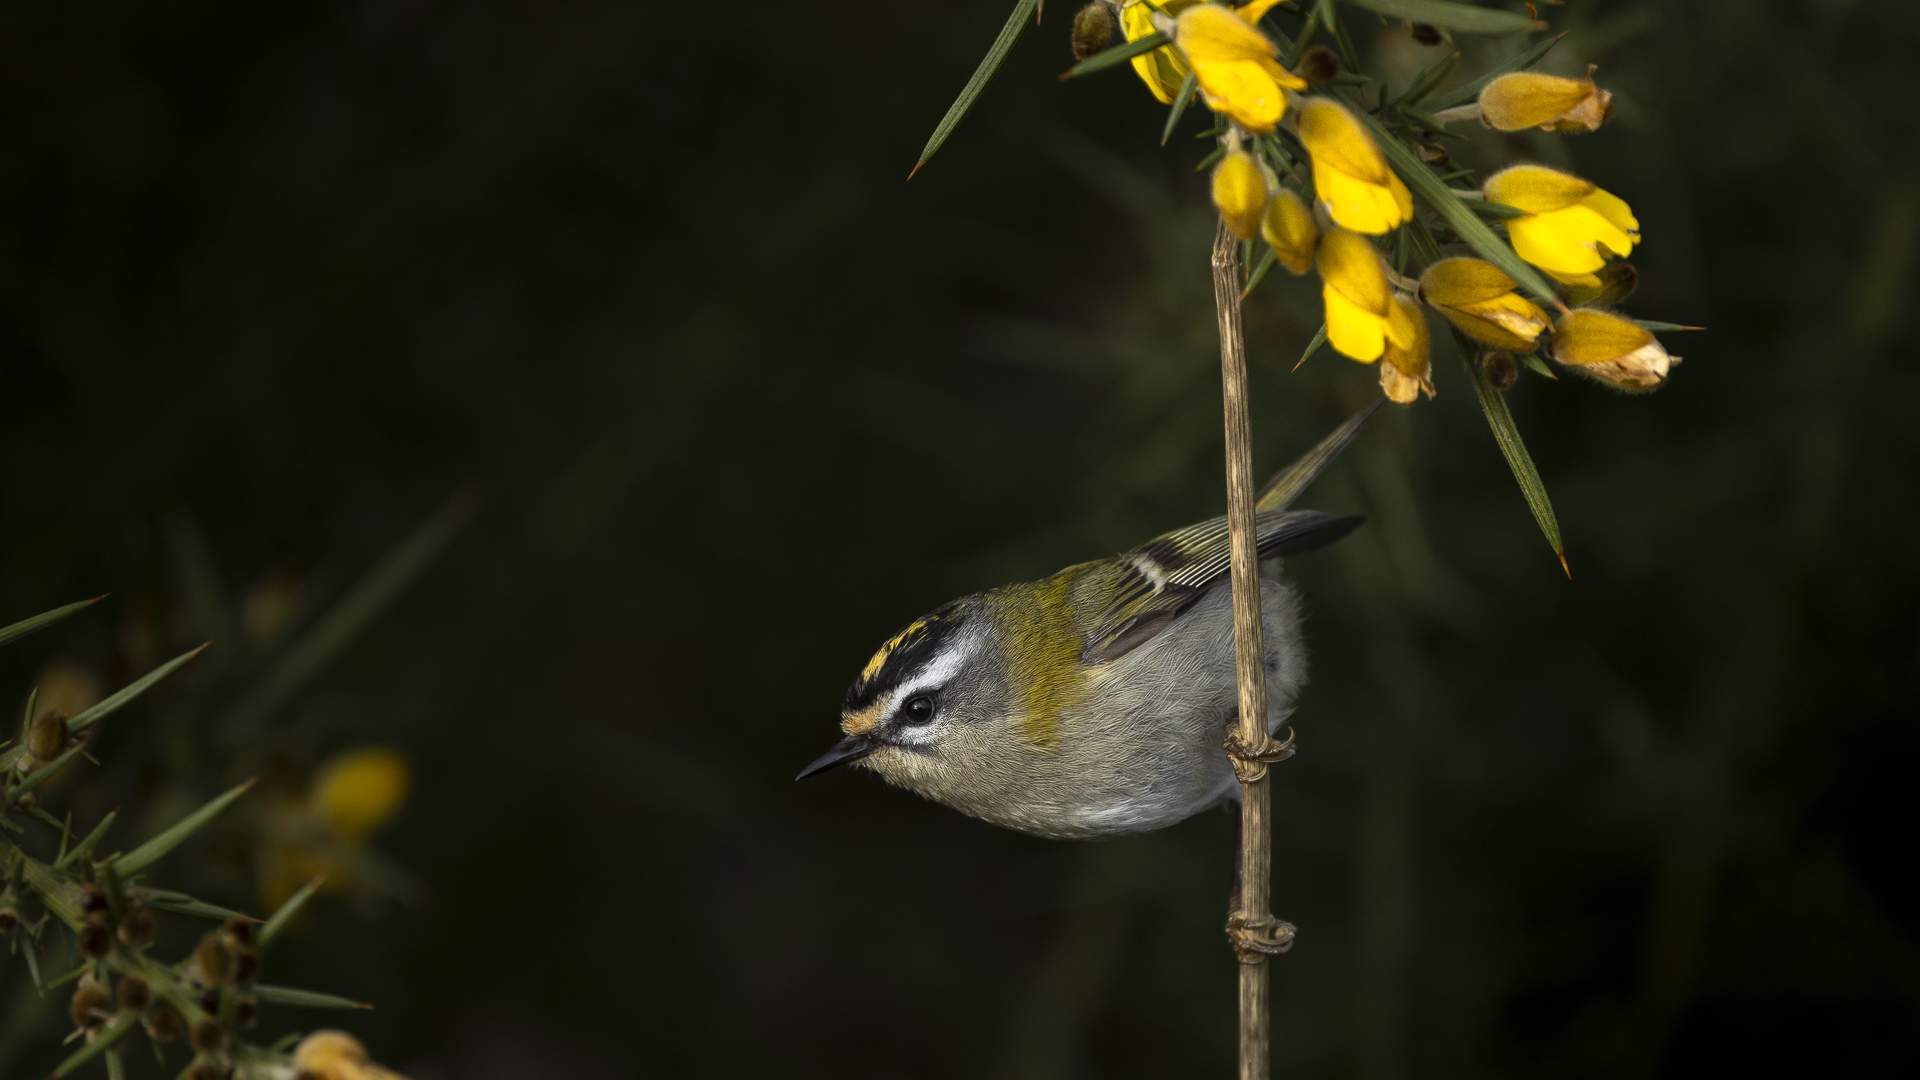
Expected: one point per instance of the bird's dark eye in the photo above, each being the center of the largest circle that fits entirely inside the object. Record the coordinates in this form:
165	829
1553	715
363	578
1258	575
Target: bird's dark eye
918	710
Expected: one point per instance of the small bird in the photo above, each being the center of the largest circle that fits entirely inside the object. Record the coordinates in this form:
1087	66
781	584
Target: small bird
1095	702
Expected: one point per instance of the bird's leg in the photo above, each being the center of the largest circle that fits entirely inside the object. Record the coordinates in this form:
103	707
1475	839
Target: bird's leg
1250	762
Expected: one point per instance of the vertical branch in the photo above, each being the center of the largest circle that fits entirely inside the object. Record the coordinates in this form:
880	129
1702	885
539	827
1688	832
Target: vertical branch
1251	929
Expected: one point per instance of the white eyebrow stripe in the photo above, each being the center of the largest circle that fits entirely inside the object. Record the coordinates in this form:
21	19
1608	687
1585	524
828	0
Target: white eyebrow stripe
937	672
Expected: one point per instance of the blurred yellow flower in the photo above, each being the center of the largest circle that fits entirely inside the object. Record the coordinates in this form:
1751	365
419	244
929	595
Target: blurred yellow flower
1349	175
1613	350
1478	298
67	688
1525	99
1407	371
336	1055
1288	228
1240	192
1362	316
1235	64
324	829
1570	228
1162	69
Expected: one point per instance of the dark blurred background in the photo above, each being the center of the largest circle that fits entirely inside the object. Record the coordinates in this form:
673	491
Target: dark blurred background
642	285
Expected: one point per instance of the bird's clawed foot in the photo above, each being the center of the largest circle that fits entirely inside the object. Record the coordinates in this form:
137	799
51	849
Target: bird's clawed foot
1250	762
1254	938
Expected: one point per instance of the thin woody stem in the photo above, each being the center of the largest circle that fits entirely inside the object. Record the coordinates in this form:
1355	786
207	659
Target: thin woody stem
1256	823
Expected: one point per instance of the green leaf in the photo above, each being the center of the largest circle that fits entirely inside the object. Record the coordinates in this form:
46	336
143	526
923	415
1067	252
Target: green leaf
109	1035
43	773
1349	59
1107	58
1490	209
116	1066
1267	259
148	853
44	619
348	617
1457	214
70	976
1180	101
190	906
85	847
1462	17
1319	339
1435	74
1494	404
1538	365
283	916
305	999
1211	160
1471	91
113	704
1662	327
981	75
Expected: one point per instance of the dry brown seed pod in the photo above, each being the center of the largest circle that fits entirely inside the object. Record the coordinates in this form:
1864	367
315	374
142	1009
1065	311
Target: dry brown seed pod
1426	33
162	1024
207	1036
46	737
136	928
90	1003
246	1011
1434	154
1093	29
133	994
210	1001
94	941
208	1070
93	904
1318	65
246	966
9	918
1502	371
239	929
213	961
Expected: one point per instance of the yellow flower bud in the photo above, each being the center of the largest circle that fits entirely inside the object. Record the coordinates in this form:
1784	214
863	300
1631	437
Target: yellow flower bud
1611	349
46	739
1349	174
1407	370
1362	317
336	1055
1234	63
1478	298
1289	229
1092	29
1240	191
1525	99
1163	69
360	790
1570	228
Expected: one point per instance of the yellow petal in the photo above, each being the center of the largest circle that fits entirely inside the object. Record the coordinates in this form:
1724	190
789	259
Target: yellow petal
1163	69
361	789
1617	213
1411	354
1252	13
1566	241
1463	281
1401	332
1402	198
1240	193
1353	331
1281	75
1211	32
1525	99
1351	266
1536	189
1401	388
1590	336
1355	204
1336	140
1508	321
1242	90
1288	228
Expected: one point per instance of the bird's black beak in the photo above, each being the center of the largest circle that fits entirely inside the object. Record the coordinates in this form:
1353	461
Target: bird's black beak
851	748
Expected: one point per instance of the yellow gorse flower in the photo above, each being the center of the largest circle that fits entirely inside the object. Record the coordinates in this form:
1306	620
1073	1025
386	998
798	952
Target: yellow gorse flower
1288	228
336	1055
1362	317
1570	228
1611	349
1525	99
1234	63
1162	69
1240	192
361	790
1349	174
324	829
1478	298
1406	371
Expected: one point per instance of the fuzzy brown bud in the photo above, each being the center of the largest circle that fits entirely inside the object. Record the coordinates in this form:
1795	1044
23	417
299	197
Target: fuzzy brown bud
246	966
90	1003
210	1001
94	905
162	1024
27	801
136	928
1318	65
213	961
207	1037
1502	371
246	1011
93	941
209	1070
46	737
1426	33
133	994
1092	29
1434	154
9	918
